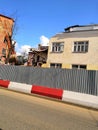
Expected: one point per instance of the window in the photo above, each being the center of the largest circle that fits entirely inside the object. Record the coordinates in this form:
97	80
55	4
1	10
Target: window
80	46
56	65
4	51
57	47
79	66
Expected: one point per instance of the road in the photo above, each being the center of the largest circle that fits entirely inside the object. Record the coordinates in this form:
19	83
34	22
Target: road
20	111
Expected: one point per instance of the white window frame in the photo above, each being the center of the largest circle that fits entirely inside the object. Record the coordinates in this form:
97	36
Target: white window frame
80	46
55	65
57	47
79	66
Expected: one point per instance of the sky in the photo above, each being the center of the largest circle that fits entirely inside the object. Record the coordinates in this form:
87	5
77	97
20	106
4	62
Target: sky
38	20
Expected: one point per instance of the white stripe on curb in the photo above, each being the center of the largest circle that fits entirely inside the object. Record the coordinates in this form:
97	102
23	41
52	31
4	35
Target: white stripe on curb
20	87
80	99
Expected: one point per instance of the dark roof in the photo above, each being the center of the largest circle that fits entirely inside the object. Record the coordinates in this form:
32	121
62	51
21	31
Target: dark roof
90	25
7	17
71	27
43	47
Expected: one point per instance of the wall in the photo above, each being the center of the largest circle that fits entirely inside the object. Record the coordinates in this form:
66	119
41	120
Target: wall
82	81
5	28
67	58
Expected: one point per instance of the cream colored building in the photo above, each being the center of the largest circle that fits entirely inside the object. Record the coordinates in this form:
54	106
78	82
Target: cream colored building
77	47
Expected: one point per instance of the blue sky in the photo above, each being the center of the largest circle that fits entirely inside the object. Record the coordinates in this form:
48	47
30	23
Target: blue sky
37	18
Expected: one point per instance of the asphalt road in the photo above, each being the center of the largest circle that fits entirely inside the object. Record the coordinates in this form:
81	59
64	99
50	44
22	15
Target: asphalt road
24	112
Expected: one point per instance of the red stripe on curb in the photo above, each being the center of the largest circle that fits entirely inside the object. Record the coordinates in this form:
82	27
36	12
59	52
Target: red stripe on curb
45	91
4	83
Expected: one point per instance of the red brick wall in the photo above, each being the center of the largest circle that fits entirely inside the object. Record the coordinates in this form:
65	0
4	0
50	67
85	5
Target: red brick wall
5	29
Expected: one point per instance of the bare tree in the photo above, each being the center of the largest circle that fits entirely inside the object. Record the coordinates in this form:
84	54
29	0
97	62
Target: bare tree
12	37
15	26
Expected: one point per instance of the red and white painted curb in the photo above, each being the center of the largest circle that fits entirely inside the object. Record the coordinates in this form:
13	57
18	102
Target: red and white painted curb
41	90
63	95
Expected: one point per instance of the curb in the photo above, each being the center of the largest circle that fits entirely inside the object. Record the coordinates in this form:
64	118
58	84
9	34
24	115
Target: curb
82	99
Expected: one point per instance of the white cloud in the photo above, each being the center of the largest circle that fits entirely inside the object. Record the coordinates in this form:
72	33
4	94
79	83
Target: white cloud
44	40
25	48
22	50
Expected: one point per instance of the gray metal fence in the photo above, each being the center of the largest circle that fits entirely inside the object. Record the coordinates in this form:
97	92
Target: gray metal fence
83	81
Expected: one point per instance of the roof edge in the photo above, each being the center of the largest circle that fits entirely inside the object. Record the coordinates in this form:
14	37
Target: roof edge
7	17
89	25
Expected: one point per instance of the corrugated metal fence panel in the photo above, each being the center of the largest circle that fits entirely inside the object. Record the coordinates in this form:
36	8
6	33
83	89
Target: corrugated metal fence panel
91	82
82	81
96	83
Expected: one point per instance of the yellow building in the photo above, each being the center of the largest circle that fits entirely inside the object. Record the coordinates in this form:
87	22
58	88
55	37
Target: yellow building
77	47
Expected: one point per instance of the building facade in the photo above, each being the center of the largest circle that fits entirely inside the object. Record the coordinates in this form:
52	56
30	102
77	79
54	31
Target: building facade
37	56
6	28
77	47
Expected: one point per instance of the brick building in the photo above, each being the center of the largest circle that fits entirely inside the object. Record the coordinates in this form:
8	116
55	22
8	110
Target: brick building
6	28
38	56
